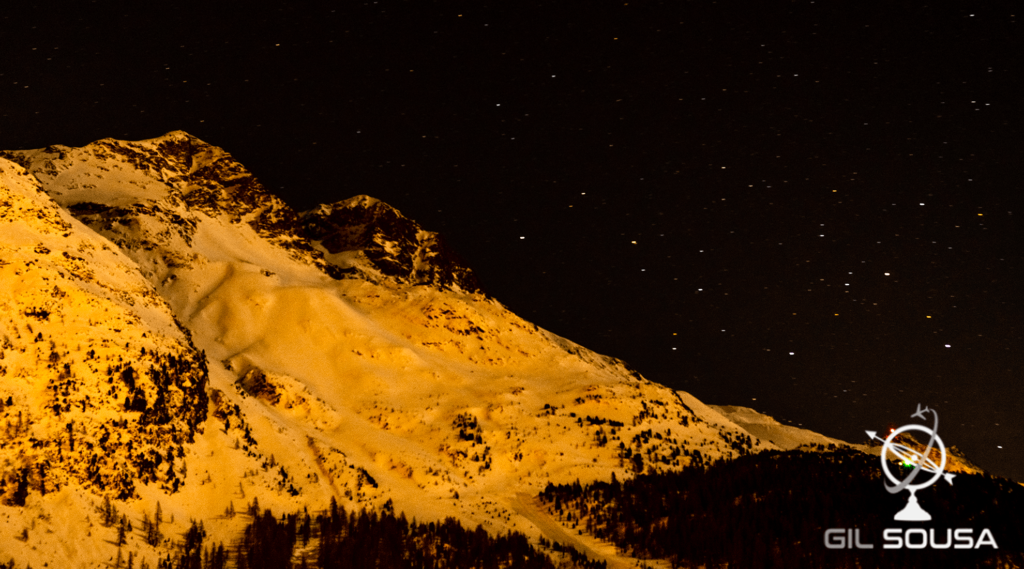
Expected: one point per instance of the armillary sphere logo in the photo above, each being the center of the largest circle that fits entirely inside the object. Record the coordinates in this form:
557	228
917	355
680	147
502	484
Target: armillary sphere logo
918	461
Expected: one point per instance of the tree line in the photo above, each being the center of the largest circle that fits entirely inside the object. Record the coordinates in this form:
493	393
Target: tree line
337	538
771	510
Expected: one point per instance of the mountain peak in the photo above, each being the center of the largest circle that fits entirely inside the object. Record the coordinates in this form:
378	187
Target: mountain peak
170	179
362	200
362	228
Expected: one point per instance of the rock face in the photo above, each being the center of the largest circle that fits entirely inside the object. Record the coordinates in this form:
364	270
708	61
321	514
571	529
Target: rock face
172	333
391	244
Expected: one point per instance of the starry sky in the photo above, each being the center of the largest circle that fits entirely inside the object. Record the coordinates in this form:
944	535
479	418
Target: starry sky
803	207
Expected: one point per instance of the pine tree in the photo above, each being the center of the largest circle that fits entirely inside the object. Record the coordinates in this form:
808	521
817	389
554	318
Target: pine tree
151	530
191	550
240	560
305	529
106	512
42	478
220	559
21	492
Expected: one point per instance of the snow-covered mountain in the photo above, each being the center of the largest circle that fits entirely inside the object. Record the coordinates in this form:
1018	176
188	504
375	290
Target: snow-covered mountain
172	333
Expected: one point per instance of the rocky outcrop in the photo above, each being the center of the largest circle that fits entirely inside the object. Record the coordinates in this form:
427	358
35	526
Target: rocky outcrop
392	244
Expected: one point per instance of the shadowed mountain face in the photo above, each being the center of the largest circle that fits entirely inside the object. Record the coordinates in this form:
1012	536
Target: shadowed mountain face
393	244
773	509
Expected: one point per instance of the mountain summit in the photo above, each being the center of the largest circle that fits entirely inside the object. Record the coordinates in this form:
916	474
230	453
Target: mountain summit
168	180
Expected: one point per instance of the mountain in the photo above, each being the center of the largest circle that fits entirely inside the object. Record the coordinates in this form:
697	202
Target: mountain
177	337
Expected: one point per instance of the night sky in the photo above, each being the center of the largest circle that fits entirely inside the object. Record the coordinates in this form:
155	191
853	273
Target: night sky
803	207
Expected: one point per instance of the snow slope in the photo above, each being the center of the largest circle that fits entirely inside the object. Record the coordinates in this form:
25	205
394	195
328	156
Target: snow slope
766	428
78	325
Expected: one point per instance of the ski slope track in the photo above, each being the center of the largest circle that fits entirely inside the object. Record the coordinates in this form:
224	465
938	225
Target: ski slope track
173	333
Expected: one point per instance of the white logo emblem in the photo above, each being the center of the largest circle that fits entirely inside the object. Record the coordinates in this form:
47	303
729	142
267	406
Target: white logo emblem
920	461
